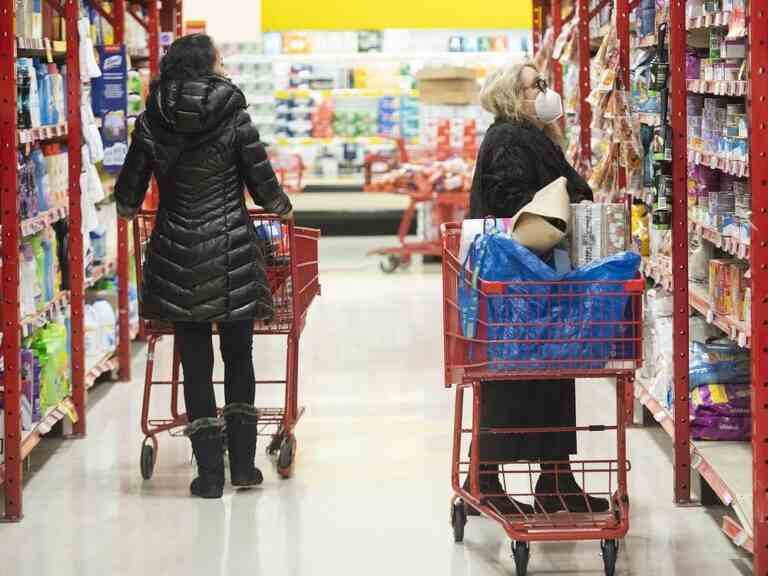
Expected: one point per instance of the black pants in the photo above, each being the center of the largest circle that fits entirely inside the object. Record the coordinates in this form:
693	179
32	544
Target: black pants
195	342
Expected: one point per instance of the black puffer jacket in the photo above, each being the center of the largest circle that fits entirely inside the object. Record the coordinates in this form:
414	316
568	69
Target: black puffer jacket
203	263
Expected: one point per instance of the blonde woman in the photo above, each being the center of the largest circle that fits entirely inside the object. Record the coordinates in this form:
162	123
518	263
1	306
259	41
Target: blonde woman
521	154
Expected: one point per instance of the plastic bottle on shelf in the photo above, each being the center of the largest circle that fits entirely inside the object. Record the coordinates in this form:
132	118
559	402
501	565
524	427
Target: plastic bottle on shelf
30	291
93	349
107	320
42	182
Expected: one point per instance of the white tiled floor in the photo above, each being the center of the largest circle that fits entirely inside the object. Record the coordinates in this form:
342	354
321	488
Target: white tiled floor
371	492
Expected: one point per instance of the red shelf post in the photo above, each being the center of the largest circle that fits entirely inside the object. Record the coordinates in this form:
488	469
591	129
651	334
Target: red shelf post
682	442
557	28
585	87
10	219
758	107
76	264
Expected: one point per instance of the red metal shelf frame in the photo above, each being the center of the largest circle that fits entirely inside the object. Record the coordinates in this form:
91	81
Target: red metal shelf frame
170	15
757	339
11	225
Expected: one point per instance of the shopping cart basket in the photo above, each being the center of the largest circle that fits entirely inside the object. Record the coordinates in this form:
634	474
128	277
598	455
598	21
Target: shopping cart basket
292	272
540	331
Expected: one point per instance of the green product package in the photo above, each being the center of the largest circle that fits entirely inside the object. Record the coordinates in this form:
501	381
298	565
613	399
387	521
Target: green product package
50	343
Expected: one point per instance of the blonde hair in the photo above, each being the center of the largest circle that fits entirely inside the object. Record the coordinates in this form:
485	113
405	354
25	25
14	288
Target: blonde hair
503	94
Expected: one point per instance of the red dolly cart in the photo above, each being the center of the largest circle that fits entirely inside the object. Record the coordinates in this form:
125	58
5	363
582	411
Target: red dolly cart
532	331
418	173
292	272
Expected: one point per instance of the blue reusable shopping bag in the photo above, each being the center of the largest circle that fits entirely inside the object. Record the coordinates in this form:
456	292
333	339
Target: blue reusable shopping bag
559	320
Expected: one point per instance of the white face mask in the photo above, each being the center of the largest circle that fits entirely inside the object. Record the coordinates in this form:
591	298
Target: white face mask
549	106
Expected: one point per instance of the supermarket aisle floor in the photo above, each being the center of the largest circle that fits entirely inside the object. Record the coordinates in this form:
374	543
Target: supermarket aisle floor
371	493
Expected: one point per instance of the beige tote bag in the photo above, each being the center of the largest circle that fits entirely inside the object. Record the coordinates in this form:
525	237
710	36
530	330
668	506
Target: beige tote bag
534	225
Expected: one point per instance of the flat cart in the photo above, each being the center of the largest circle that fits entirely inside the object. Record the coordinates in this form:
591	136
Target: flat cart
289	169
407	173
292	271
539	331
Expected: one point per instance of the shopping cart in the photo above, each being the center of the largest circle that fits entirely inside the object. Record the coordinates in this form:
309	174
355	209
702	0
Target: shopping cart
532	331
292	272
289	169
443	205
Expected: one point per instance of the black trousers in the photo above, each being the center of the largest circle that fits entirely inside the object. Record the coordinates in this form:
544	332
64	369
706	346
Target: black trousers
528	404
195	342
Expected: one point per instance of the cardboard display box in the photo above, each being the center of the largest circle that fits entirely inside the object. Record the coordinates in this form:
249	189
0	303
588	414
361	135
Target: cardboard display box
448	85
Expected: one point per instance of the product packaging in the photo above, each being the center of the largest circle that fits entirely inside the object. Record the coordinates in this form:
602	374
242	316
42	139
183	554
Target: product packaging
597	231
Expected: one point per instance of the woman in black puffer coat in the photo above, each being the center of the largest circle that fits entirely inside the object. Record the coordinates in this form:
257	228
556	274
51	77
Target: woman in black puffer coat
520	155
204	264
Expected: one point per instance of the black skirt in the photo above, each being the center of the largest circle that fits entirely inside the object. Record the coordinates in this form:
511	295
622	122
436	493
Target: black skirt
528	404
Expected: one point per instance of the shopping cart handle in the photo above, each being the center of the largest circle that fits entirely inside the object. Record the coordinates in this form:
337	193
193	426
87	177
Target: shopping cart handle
491	287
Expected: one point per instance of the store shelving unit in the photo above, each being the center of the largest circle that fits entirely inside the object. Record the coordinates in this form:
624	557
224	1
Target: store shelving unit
736	471
18	444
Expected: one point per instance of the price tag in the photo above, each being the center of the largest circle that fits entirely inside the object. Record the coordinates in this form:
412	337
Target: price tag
710	316
742	251
743	339
660	416
48	50
734	333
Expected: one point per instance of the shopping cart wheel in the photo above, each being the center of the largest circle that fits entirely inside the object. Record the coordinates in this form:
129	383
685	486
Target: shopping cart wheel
389	264
147	460
610	552
287	457
274	445
458	520
521	551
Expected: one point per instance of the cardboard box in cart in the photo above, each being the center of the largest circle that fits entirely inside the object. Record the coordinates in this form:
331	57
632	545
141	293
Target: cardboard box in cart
597	231
448	85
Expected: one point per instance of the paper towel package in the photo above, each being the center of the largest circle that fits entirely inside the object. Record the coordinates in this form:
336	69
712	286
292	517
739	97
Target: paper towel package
597	231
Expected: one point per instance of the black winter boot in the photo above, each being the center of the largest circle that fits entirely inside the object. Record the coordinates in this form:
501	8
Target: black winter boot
207	437
242	427
491	485
554	482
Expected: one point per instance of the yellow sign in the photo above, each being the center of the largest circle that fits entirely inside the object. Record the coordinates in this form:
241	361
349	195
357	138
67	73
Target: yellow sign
282	15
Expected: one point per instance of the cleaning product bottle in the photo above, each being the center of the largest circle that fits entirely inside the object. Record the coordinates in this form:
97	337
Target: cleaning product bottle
108	325
48	265
42	181
44	94
39	255
30	293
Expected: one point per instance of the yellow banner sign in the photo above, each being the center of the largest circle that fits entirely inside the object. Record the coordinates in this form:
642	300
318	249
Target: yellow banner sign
282	15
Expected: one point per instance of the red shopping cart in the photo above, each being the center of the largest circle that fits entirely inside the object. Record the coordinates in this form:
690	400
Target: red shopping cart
405	173
292	273
538	331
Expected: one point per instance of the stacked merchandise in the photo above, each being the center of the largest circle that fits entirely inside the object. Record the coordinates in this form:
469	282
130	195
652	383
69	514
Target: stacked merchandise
720	380
657	371
566	52
450	176
611	117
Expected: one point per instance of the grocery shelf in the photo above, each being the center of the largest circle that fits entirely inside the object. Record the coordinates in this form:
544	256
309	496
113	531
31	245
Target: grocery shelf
97	273
33	322
32	226
363	140
738	168
734	328
645	41
725	466
714	20
108	363
651	119
41	133
344	93
40	48
719	87
488	58
733	246
31	438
